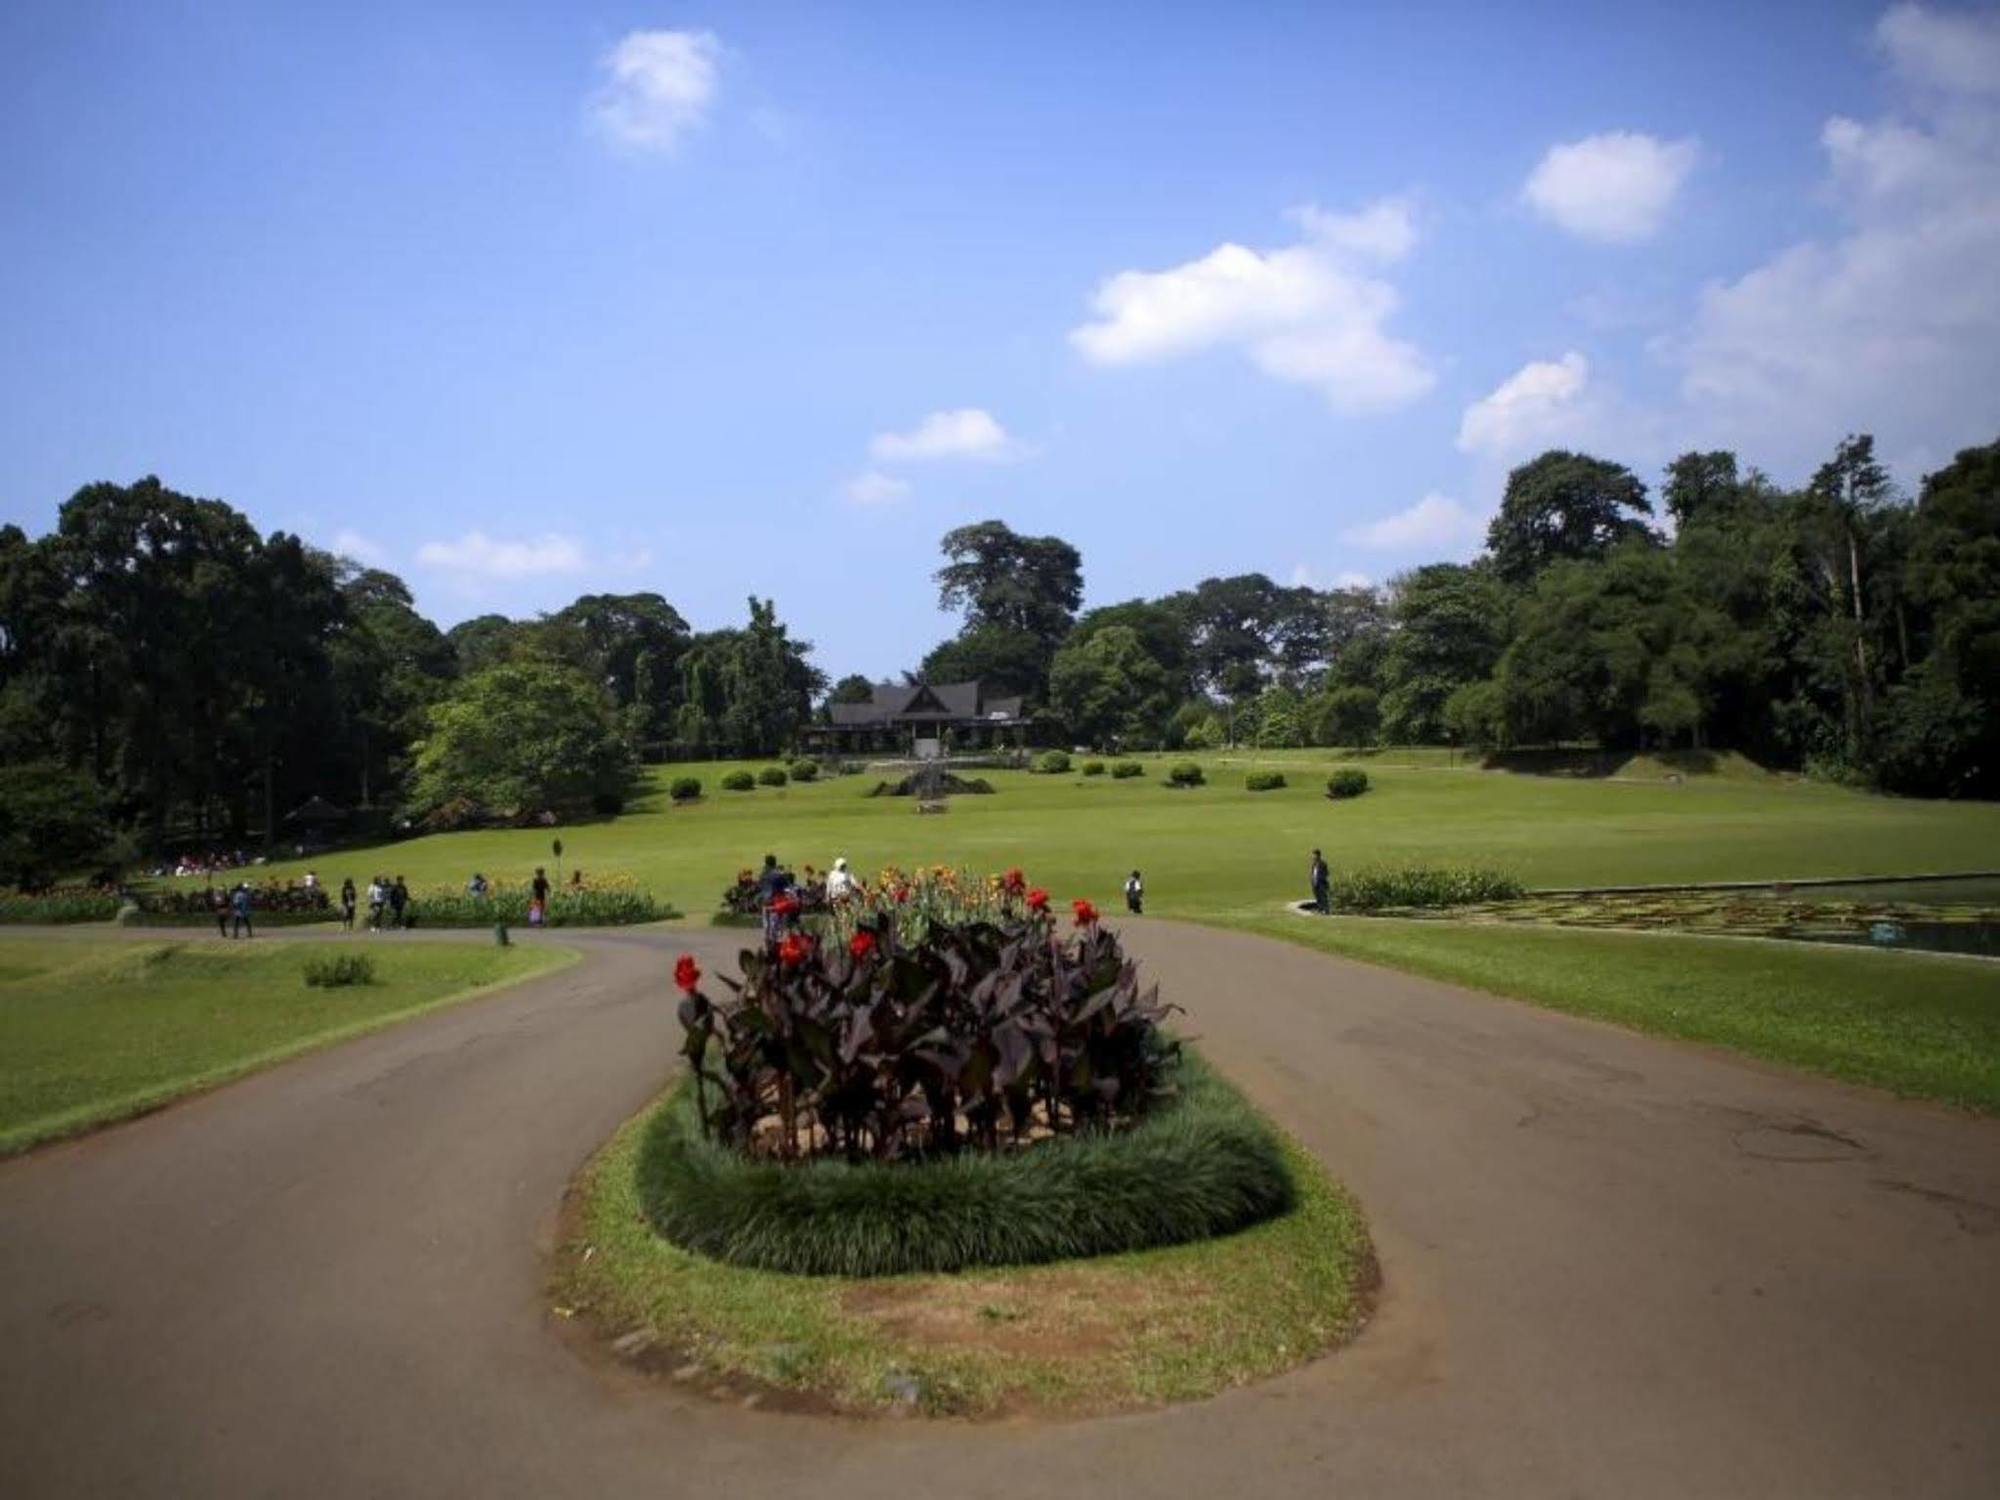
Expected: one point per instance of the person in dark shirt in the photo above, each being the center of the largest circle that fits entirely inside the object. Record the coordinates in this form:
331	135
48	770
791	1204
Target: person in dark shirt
399	898
1322	882
347	904
239	903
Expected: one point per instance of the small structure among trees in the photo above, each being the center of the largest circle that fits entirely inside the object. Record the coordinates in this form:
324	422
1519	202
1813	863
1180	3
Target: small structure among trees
899	718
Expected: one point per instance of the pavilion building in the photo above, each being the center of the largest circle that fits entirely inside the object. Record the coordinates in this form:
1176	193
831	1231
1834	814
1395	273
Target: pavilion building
922	719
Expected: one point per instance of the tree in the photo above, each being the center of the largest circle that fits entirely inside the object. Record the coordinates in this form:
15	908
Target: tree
1161	629
1564	505
525	736
746	692
1699	483
483	641
1109	689
1018	593
52	822
1450	625
853	688
1343	716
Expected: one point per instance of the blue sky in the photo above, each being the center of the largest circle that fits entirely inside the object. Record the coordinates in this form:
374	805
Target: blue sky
525	301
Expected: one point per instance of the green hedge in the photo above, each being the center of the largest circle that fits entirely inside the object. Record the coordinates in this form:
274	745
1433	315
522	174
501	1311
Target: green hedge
805	768
772	776
738	781
1348	783
1201	1164
685	789
1185	773
1125	770
1093	768
61	907
1421	886
1052	762
1265	781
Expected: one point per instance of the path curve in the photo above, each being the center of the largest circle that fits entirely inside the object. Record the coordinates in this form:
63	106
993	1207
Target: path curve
1614	1266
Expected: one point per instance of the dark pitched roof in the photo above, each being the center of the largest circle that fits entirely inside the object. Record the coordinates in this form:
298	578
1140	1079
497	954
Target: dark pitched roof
930	700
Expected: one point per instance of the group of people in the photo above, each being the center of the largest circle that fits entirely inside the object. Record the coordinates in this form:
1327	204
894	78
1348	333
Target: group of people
387	900
205	864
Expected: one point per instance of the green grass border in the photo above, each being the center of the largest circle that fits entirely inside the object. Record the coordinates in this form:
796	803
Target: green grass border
1198	1164
100	1114
1182	1322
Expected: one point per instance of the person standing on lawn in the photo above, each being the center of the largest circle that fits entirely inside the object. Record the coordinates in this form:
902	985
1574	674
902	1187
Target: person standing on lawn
239	903
538	898
1322	883
399	898
1135	894
347	904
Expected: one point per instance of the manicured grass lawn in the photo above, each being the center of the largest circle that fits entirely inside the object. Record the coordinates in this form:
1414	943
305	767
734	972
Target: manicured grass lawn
1220	849
94	1031
1920	1024
1070	1338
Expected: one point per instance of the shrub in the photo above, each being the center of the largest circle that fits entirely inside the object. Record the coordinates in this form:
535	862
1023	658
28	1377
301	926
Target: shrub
337	971
1346	783
1264	781
1125	770
1421	886
60	904
805	769
1185	773
607	804
685	789
738	781
1200	1165
605	901
772	776
951	784
1093	768
1052	762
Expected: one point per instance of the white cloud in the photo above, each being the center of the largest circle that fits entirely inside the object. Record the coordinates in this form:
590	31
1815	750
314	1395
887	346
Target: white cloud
1957	52
1434	521
477	555
1304	576
660	85
876	488
1893	325
1615	188
1530	408
965	433
360	548
1310	313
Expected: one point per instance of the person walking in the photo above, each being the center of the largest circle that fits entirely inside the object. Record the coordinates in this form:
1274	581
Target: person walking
538	898
1322	883
219	900
772	883
347	904
399	900
378	897
839	882
1135	894
239	902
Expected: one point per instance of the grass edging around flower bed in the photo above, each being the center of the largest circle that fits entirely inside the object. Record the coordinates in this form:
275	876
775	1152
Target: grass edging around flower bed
1070	1338
1199	1164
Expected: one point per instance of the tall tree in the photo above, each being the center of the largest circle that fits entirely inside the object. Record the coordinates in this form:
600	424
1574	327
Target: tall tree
1110	690
1005	584
1450	626
1564	505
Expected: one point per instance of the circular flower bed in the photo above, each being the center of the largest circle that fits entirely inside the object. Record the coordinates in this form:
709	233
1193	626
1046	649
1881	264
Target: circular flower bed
933	1075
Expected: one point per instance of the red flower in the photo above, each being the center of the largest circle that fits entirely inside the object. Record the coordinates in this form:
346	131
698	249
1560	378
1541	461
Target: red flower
1038	899
902	893
1015	880
1085	912
785	904
861	945
687	973
793	949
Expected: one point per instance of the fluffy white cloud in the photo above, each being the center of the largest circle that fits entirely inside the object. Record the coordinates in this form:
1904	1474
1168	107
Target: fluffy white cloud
1531	407
477	555
1614	188
965	433
873	487
1312	313
659	85
1434	521
1304	576
1893	325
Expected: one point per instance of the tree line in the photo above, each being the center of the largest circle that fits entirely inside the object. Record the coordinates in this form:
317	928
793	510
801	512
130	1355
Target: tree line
170	678
1842	628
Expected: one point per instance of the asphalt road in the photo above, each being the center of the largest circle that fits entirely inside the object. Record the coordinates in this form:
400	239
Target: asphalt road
1614	1266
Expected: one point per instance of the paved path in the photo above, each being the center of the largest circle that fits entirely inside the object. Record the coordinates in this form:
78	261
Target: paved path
1615	1267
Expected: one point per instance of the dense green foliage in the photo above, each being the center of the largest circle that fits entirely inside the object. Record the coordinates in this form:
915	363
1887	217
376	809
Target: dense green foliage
1346	782
772	776
63	904
1185	773
525	736
684	789
739	781
1125	770
804	769
1092	768
1372	888
51	820
1264	781
1052	762
1203	1164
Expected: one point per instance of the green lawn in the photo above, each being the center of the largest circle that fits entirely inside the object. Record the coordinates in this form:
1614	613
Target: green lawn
95	1031
1920	1024
1219	850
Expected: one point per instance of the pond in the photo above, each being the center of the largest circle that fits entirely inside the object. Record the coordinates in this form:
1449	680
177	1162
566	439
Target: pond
1981	938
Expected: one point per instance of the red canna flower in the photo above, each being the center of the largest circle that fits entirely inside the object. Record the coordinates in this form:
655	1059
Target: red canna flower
1016	880
902	893
1085	912
861	945
1038	899
793	950
785	905
687	973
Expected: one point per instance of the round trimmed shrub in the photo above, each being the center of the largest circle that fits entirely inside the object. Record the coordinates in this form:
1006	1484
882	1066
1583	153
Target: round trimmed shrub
1125	770
1348	783
738	781
685	789
805	769
1185	773
1264	781
1202	1163
772	776
1093	768
1052	762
